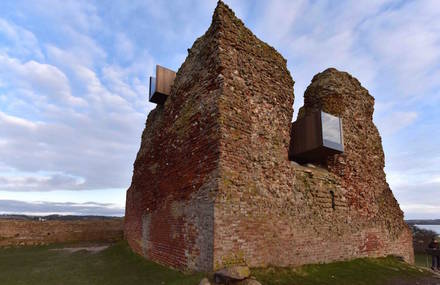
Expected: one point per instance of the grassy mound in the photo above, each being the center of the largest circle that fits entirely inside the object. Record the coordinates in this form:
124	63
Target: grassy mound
368	271
119	265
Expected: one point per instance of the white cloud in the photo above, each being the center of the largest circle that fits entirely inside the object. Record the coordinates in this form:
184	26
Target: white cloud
278	18
21	41
74	152
124	47
7	121
81	14
419	200
383	43
396	121
84	47
40	181
420	211
67	208
45	79
405	42
90	146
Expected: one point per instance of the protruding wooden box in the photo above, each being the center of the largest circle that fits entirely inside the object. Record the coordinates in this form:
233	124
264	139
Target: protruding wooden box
160	86
315	137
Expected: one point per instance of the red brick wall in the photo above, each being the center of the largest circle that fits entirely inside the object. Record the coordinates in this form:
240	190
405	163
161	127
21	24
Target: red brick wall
272	211
212	184
169	212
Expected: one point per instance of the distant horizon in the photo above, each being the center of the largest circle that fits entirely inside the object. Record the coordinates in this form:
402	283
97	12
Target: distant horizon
95	209
37	214
42	208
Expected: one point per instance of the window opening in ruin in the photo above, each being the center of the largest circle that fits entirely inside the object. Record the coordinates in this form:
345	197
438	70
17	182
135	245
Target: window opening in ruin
332	194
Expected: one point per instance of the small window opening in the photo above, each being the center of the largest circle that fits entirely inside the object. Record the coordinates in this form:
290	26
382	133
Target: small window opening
332	194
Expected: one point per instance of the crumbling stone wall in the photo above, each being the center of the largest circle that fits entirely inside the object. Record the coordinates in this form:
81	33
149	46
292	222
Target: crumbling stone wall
212	182
361	165
170	203
18	232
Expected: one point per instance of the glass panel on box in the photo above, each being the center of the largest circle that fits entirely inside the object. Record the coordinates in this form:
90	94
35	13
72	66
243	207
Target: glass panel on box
331	128
152	85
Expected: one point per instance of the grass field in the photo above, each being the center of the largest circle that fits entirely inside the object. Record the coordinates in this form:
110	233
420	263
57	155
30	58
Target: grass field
360	271
115	265
119	265
422	260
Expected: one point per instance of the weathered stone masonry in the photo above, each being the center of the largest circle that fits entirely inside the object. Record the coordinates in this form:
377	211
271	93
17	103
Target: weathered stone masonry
212	183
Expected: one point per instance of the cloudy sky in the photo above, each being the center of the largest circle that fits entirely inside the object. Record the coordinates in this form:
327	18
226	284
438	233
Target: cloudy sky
73	87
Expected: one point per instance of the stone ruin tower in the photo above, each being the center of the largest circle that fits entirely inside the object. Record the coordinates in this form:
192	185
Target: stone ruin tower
213	184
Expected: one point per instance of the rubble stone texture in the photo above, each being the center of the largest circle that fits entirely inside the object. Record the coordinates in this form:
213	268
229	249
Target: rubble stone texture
212	183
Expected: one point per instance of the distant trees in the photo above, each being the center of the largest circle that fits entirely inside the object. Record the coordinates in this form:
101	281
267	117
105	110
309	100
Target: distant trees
421	238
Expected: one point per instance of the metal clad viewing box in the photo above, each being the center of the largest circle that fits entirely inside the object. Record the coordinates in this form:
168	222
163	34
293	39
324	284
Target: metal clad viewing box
316	136
160	86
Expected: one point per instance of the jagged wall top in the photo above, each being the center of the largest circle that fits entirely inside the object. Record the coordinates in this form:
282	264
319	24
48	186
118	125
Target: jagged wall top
336	91
234	33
